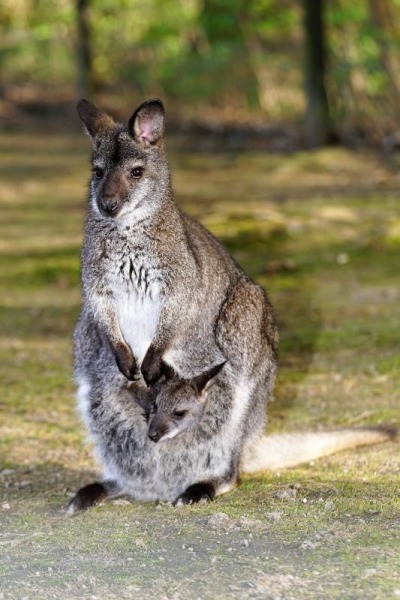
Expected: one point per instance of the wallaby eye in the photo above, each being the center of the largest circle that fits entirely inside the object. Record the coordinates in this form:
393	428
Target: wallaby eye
179	414
98	172
137	172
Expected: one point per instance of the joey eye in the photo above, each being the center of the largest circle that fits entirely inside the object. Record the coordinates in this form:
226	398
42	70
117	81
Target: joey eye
137	172
179	414
98	172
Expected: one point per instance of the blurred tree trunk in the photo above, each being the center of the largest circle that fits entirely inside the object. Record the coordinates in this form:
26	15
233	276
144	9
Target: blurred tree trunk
385	23
317	110
84	62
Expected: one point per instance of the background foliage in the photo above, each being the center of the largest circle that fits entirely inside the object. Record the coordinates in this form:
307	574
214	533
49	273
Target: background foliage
238	58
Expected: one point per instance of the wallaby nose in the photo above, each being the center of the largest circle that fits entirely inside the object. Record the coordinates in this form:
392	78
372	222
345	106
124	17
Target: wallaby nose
154	436
109	205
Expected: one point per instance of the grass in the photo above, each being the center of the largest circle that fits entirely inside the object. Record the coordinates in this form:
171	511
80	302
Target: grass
321	231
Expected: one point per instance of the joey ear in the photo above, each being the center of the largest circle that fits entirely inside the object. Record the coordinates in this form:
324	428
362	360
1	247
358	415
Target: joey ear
141	394
205	380
96	121
168	371
146	125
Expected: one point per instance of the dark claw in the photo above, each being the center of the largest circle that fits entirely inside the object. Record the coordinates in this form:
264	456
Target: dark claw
134	375
199	492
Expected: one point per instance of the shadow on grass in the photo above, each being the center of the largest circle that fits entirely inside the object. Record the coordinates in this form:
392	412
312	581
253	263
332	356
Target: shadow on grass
299	325
51	481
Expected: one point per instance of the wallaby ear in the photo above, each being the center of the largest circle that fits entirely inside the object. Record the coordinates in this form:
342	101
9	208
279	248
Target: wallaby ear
205	380
96	121
146	125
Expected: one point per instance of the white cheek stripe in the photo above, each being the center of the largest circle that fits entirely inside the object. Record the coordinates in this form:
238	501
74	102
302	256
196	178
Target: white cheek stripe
170	434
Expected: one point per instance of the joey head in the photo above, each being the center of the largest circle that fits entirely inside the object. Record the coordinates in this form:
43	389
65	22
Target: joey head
176	405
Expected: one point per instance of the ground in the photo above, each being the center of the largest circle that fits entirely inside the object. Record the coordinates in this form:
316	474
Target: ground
321	231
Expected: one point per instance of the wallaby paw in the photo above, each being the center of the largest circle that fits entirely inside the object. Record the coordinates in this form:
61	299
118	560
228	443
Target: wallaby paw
152	367
135	376
126	363
86	497
199	493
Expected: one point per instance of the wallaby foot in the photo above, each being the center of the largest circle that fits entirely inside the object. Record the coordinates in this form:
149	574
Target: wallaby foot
198	492
92	494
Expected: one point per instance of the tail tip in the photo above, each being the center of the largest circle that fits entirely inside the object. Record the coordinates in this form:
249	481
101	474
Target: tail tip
391	430
388	430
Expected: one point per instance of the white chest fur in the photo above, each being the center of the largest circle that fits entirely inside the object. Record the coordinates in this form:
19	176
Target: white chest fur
132	288
138	316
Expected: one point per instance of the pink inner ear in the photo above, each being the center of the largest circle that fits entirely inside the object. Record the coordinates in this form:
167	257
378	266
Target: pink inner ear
144	131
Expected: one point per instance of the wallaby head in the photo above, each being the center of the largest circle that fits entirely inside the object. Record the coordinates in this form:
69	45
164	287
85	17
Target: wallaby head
176	405
180	404
130	176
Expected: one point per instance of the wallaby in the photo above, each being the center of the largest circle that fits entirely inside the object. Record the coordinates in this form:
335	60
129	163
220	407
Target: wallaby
158	289
176	405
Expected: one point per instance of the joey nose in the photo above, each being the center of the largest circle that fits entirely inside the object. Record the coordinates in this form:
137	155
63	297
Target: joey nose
154	436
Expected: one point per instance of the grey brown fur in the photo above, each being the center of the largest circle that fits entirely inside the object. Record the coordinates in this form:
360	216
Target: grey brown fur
158	288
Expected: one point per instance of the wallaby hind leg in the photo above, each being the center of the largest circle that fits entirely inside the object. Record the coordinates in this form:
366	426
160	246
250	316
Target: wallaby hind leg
92	494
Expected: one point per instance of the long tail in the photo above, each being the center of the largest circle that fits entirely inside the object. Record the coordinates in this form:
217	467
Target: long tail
280	451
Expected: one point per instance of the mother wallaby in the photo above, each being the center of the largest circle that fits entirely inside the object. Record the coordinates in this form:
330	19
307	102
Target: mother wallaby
161	294
159	289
